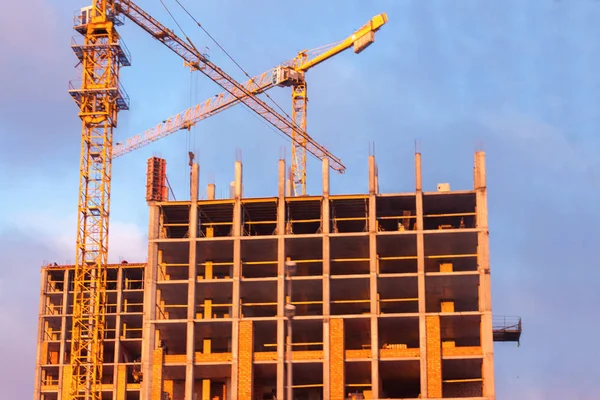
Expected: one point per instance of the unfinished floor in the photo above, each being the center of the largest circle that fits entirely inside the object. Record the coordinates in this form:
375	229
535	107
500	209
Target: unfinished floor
392	296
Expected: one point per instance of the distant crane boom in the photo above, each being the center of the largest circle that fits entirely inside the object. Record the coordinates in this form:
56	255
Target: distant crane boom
289	73
199	62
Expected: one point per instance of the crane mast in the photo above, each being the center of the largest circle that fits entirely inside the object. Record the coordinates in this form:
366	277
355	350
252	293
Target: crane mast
299	107
99	98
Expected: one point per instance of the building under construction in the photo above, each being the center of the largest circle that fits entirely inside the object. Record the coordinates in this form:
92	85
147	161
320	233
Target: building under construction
391	296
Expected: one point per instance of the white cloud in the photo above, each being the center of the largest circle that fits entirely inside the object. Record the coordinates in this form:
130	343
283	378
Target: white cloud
126	240
542	142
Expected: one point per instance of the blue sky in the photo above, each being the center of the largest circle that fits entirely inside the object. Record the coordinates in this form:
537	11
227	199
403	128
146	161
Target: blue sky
518	76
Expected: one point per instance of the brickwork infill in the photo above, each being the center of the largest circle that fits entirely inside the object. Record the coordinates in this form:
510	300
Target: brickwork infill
336	359
157	375
245	346
463	389
434	357
66	389
121	382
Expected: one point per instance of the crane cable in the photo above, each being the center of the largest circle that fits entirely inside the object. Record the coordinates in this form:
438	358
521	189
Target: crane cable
231	58
247	108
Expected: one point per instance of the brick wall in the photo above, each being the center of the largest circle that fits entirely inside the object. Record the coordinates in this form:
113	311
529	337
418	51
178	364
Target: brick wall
463	389
168	388
66	388
121	381
307	355
157	372
358	353
391	353
245	347
212	357
463	351
265	356
434	356
336	359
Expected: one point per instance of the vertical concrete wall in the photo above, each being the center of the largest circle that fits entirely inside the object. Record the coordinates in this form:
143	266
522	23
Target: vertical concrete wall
150	277
485	287
421	276
281	280
192	266
325	227
237	266
372	223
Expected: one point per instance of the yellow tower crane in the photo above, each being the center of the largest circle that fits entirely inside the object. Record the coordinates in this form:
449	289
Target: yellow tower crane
100	97
290	73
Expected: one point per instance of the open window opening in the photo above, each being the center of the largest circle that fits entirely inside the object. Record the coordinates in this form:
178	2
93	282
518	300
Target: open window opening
398	295
215	219
259	218
350	296
396	213
349	215
303	216
448	211
174	221
400	379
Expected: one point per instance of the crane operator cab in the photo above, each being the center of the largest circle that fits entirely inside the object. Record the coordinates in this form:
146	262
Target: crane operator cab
86	15
286	76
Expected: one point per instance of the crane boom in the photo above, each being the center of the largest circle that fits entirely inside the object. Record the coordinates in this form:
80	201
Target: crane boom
360	39
198	61
256	85
192	115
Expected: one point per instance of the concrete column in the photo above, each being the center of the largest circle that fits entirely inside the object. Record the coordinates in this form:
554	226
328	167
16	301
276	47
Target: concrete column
373	276
289	183
150	276
211	191
281	280
237	265
117	373
325	221
421	274
485	289
191	301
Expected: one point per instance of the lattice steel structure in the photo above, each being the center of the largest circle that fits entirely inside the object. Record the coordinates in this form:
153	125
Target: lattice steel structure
99	98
